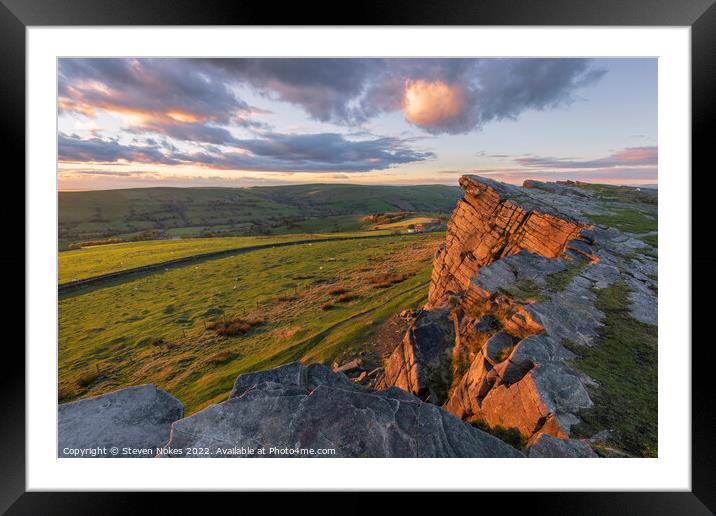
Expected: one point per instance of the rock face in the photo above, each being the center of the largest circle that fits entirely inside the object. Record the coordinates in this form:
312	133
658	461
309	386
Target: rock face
136	417
292	409
422	357
517	278
489	224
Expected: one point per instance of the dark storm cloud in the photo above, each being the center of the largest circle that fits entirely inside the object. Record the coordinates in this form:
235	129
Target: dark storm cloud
72	148
192	132
342	91
151	87
351	91
325	152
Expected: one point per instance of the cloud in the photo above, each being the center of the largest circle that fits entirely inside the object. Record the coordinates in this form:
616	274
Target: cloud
631	156
152	87
432	104
164	96
73	179
192	132
110	173
632	165
274	152
72	148
621	176
436	95
478	91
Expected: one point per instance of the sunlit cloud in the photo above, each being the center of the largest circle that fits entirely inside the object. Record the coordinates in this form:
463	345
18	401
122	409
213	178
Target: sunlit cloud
432	103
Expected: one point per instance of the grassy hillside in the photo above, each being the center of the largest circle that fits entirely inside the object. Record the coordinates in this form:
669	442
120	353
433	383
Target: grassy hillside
102	259
249	211
191	330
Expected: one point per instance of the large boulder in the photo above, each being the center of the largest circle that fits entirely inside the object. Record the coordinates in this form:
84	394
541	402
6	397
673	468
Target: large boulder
421	363
293	409
133	422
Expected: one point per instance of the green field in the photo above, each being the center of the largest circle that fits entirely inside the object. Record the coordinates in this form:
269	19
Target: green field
95	260
173	328
239	211
402	224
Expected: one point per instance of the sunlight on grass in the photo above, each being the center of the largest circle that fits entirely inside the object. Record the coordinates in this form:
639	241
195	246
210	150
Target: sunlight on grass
192	329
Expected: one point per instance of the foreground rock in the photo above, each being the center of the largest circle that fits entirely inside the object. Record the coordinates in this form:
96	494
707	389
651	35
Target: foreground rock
138	418
292	409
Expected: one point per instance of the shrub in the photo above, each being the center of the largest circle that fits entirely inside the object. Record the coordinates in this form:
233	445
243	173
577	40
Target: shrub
337	291
88	378
221	358
234	327
344	298
387	279
327	306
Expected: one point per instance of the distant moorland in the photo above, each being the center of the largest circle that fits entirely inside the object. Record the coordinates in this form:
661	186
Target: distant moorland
172	212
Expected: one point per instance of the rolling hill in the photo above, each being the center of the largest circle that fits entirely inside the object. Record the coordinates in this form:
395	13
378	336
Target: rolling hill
255	210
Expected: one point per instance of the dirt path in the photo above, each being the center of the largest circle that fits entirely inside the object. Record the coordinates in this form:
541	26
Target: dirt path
94	280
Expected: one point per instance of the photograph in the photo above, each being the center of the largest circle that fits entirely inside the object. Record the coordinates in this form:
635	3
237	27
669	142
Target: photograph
357	257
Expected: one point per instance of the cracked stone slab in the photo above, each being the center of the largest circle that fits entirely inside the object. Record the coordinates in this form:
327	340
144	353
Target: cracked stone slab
135	417
279	410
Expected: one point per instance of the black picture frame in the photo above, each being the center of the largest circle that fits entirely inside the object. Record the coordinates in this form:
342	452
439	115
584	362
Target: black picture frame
17	15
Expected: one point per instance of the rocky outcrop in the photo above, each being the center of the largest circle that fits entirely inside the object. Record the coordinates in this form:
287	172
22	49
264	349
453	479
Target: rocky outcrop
492	221
293	409
131	422
290	411
517	277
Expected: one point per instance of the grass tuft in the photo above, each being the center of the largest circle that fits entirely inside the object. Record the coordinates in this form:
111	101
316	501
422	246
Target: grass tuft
523	291
347	297
627	219
511	436
558	281
221	358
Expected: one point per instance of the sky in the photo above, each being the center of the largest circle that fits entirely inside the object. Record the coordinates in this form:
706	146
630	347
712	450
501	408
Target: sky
140	122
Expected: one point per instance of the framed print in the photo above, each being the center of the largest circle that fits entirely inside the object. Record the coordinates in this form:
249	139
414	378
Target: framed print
384	254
